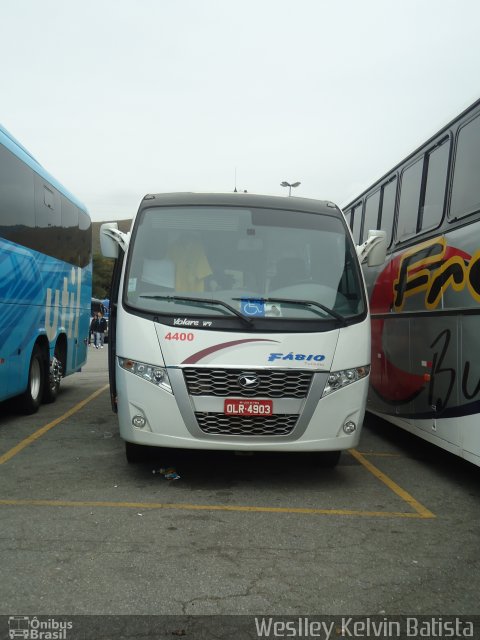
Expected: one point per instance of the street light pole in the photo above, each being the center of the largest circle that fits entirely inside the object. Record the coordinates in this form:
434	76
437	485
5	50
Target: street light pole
290	185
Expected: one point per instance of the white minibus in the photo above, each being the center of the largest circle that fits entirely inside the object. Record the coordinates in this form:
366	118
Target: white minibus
239	322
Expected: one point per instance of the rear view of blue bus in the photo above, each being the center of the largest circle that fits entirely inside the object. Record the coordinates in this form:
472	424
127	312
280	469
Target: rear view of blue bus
45	279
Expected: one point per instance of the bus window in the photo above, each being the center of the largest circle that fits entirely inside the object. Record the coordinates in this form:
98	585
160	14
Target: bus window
431	211
84	238
409	200
348	218
47	205
389	192
17	214
371	213
466	185
357	222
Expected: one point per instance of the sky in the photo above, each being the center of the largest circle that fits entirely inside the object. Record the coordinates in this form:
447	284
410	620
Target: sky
119	98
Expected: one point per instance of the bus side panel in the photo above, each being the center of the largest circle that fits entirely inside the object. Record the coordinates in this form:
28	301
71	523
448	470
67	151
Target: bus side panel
399	390
470	385
425	369
112	337
392	390
467	242
465	295
21	298
66	308
81	331
39	296
435	356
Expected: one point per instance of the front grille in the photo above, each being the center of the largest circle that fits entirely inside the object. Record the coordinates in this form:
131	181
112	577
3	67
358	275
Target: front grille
224	383
220	424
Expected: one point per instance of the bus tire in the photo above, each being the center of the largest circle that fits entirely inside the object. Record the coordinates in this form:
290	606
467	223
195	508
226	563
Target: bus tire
54	372
31	399
135	453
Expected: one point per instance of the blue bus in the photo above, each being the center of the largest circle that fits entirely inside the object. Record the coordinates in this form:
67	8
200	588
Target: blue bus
45	279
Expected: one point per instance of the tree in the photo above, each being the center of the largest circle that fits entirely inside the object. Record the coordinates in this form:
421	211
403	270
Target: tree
102	275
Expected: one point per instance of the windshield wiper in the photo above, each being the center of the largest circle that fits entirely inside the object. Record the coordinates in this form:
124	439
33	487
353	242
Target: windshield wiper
306	303
247	321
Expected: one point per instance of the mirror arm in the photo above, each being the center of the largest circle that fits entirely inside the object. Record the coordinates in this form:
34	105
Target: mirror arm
372	241
122	239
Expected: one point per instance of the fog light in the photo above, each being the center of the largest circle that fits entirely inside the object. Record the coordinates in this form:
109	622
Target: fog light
138	421
349	427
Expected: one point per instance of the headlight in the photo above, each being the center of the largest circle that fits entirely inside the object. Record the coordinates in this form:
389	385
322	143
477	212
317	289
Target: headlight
149	372
339	379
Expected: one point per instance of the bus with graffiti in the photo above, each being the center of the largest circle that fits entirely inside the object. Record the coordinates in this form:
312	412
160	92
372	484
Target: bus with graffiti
45	279
425	300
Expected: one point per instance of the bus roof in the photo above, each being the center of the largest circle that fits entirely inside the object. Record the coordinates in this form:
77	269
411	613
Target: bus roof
291	203
13	145
429	140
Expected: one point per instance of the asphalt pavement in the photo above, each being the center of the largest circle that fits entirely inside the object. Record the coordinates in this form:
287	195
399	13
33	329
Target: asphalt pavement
394	529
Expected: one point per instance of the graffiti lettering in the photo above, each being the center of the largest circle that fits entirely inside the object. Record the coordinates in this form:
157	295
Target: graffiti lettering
425	269
438	358
443	379
466	393
414	270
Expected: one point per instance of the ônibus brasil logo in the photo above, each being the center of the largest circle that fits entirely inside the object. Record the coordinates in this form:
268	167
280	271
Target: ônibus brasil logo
31	628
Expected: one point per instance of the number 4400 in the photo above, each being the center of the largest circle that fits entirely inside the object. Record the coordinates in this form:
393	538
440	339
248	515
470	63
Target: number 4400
183	337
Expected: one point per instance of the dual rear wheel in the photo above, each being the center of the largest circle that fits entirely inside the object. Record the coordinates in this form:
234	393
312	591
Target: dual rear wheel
32	397
43	380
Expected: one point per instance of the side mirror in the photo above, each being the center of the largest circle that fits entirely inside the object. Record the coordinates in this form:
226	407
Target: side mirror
374	249
111	239
378	253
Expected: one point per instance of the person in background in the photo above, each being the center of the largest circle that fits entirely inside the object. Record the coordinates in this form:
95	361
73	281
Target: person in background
90	330
106	307
98	328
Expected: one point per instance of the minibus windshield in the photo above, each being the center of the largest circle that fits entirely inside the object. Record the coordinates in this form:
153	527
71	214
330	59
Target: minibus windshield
257	262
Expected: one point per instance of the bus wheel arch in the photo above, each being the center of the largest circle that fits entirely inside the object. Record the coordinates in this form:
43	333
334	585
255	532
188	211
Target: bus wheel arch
55	370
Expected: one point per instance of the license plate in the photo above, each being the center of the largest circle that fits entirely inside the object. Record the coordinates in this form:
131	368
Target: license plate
248	407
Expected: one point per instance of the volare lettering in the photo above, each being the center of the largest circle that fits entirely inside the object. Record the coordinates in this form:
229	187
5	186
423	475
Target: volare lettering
186	322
